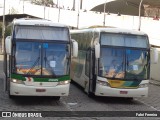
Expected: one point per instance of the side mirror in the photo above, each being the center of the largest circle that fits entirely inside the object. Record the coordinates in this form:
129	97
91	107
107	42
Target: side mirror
155	55
74	48
8	44
97	50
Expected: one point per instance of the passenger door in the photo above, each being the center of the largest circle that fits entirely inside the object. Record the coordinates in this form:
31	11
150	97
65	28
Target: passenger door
89	68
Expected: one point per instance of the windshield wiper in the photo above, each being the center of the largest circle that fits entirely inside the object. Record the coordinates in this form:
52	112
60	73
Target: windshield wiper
33	65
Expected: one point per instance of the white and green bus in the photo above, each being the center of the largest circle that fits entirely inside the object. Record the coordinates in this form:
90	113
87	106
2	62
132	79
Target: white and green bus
112	62
39	54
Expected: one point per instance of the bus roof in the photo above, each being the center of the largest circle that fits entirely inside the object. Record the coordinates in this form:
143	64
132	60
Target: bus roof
109	30
38	22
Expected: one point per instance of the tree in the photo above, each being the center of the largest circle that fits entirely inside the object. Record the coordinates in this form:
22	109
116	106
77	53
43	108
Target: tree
7	30
43	2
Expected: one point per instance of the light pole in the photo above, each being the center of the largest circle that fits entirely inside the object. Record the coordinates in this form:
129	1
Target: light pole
59	11
73	8
140	5
81	4
78	15
44	10
78	19
3	48
3	30
23	6
104	19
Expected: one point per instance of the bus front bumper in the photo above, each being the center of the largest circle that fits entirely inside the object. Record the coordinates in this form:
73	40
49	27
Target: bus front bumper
24	90
116	92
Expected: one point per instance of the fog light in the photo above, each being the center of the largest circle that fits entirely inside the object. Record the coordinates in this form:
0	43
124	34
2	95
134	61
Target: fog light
17	81
14	80
64	82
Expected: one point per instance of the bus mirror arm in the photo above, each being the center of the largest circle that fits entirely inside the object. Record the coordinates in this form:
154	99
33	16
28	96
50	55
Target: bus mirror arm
8	45
97	50
75	48
155	56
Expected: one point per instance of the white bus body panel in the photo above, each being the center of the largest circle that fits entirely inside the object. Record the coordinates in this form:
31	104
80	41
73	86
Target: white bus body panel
37	22
24	90
116	92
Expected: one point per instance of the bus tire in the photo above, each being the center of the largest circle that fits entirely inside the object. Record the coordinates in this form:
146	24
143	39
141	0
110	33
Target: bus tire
56	98
91	95
87	91
130	98
11	96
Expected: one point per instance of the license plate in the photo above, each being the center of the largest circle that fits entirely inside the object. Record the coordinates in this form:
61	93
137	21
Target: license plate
40	90
123	92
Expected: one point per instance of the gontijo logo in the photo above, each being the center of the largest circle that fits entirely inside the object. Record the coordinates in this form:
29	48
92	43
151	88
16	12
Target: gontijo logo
53	80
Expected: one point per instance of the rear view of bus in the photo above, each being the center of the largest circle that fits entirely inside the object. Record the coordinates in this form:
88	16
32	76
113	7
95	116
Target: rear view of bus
39	58
112	62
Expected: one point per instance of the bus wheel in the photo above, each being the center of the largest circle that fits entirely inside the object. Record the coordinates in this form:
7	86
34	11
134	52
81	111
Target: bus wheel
56	98
90	94
129	98
11	96
86	90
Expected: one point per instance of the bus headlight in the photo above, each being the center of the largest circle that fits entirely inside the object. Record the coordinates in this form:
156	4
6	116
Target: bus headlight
17	81
102	83
63	82
143	85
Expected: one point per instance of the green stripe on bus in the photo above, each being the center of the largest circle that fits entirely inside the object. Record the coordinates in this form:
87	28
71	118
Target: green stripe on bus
52	79
20	77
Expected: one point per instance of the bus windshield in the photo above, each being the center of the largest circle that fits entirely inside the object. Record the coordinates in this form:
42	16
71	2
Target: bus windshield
124	63
124	57
112	63
35	58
